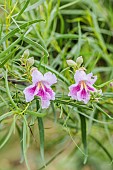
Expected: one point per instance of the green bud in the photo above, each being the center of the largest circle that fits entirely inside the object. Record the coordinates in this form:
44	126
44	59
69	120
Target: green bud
79	61
71	63
30	61
26	54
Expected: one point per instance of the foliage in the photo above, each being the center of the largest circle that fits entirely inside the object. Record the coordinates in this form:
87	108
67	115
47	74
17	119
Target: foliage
55	31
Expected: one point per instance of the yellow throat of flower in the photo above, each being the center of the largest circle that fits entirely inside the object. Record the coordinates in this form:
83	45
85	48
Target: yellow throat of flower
40	85
83	85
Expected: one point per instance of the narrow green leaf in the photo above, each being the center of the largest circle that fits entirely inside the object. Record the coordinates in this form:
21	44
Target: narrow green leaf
2	55
8	135
41	134
99	108
69	4
35	44
23	9
6	115
104	149
24	142
34	6
57	154
36	113
16	30
84	136
104	84
8	91
7	57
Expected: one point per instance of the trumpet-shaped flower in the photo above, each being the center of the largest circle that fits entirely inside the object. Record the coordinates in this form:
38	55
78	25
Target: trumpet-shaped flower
84	85
41	86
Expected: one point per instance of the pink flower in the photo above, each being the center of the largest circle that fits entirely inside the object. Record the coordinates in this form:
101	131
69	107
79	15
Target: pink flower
81	90
41	87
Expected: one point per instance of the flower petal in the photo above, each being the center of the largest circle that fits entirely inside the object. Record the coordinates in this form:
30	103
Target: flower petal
83	95
51	92
36	76
29	93
45	103
91	79
90	87
43	94
45	98
74	88
50	78
80	76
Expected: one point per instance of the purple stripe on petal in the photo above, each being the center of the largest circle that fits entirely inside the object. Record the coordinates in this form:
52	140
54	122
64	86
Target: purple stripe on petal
91	88
51	92
29	93
43	94
83	95
74	88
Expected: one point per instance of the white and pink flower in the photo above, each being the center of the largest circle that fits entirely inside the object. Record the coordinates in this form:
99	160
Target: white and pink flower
41	86
84	85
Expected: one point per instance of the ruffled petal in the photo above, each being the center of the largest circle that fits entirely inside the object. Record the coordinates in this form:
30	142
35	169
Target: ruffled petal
29	93
83	95
91	79
45	103
50	78
45	98
74	88
43	94
80	76
37	76
51	92
90	87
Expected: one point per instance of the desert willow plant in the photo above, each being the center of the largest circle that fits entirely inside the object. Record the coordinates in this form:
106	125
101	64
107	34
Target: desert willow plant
33	102
36	89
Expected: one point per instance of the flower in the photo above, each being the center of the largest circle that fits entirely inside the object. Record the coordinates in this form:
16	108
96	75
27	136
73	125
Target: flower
81	90
41	86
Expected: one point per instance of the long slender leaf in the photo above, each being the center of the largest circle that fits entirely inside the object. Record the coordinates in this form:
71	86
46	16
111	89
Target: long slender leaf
16	30
84	136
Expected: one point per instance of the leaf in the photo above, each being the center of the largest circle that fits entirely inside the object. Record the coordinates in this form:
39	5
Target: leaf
6	115
23	9
36	113
41	134
99	108
84	136
57	154
8	135
8	92
16	30
34	6
104	149
69	4
35	44
24	141
2	55
104	84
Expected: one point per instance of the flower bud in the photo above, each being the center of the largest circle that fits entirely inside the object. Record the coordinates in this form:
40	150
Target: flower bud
79	61
30	61
111	84
26	54
71	63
